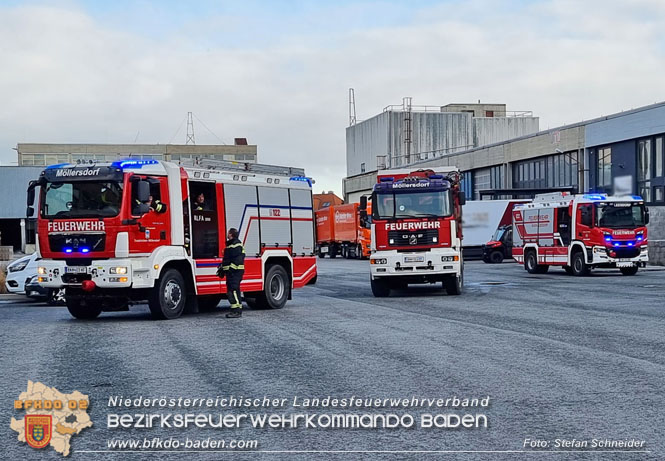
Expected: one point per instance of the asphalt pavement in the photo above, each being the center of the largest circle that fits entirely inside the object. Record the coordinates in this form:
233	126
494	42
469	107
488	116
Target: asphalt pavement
560	358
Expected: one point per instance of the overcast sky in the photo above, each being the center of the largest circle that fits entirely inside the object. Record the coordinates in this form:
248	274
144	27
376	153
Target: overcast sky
278	72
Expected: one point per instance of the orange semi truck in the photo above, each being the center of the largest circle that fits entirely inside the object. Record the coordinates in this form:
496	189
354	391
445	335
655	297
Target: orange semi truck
339	232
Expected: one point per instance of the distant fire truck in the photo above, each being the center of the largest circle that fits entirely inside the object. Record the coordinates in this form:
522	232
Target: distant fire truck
580	232
147	230
416	230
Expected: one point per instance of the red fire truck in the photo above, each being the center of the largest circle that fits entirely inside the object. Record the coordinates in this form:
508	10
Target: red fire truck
416	229
580	232
339	231
146	230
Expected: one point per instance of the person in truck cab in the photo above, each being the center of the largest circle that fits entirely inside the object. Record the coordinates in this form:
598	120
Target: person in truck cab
156	205
233	268
200	202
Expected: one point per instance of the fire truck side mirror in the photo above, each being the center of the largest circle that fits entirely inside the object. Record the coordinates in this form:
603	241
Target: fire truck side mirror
29	212
362	211
143	191
462	198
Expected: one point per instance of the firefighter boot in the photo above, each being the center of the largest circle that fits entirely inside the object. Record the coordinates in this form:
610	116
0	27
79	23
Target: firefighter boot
235	313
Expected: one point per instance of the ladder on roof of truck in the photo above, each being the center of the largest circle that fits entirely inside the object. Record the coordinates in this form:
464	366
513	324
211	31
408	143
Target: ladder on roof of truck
225	165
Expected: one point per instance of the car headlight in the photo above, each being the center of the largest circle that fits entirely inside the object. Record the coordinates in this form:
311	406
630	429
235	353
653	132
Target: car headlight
18	266
118	270
41	270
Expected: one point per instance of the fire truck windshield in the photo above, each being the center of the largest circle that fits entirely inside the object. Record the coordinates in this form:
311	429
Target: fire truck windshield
620	215
412	205
81	199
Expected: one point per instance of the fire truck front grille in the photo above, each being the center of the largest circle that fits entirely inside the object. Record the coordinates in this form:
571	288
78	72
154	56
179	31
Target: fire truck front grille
412	238
77	243
630	252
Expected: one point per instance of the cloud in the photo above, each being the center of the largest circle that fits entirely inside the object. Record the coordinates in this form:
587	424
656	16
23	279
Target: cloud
73	76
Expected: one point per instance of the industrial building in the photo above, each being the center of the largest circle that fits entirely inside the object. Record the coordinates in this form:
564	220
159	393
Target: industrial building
30	154
587	156
401	135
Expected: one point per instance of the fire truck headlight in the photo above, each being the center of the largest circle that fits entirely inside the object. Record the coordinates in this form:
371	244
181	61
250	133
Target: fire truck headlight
447	259
378	261
41	270
598	250
118	270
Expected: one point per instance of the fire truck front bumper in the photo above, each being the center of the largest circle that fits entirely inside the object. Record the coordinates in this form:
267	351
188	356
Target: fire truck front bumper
422	266
115	273
624	257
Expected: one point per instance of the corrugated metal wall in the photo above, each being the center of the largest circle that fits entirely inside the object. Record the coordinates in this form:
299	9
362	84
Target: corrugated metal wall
433	134
488	130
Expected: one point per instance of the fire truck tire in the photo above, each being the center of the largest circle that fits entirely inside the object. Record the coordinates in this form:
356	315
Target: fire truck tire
628	270
568	269
531	262
276	288
167	300
380	288
321	254
454	284
359	251
579	266
81	310
496	257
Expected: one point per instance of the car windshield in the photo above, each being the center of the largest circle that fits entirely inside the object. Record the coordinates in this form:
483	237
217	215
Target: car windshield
81	199
624	215
413	204
498	234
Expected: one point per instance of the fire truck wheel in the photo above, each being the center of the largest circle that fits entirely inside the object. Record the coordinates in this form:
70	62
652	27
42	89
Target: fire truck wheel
496	257
276	288
454	284
81	310
380	288
321	254
359	252
167	299
579	266
629	270
531	262
568	269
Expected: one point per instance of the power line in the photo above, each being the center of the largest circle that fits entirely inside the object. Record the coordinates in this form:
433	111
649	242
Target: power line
178	130
205	126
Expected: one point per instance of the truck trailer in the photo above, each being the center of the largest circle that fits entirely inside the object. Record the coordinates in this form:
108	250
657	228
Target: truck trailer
339	230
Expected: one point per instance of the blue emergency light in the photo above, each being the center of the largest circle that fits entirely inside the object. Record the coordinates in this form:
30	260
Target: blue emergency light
133	163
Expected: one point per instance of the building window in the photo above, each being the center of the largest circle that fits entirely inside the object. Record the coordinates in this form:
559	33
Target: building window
560	170
496	177
467	185
362	167
604	167
644	162
651	169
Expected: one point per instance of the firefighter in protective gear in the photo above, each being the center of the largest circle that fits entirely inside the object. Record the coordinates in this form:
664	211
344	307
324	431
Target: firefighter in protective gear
233	268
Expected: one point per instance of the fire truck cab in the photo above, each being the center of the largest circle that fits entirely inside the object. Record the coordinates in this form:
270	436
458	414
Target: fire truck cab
416	230
581	232
145	230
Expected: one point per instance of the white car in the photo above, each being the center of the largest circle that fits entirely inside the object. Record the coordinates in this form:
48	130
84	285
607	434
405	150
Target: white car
22	279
